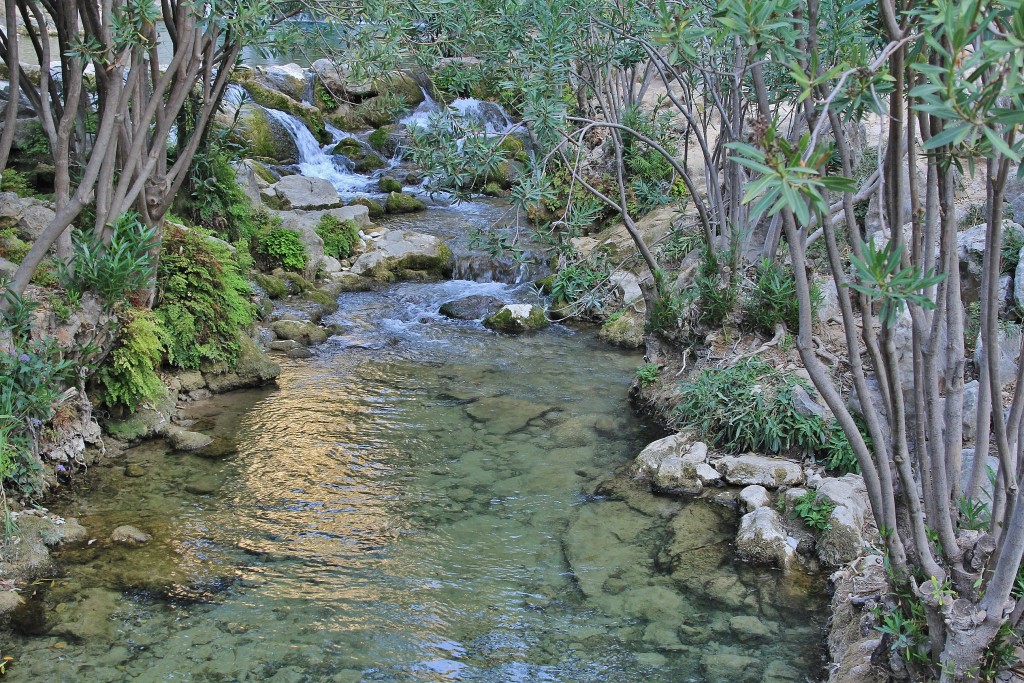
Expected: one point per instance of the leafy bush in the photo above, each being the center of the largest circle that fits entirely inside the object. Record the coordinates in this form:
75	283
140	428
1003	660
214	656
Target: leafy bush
715	299
214	199
280	248
573	282
773	299
115	271
340	237
204	304
32	376
647	373
15	181
748	407
814	511
128	376
839	455
1013	242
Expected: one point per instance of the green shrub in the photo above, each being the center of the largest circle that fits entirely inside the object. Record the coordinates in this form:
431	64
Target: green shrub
204	305
128	376
214	199
340	237
748	407
1013	242
115	271
574	282
17	182
838	453
647	373
280	248
715	299
773	299
12	247
813	511
32	377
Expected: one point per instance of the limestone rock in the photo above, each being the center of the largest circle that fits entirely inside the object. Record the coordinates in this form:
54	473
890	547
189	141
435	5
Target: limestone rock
184	440
253	369
404	250
403	203
762	539
971	250
1009	348
726	667
627	330
754	497
517	318
771	473
474	307
302	192
749	629
129	535
191	380
289	79
845	539
299	331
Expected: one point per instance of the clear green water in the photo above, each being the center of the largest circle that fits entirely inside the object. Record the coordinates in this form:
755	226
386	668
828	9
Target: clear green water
419	502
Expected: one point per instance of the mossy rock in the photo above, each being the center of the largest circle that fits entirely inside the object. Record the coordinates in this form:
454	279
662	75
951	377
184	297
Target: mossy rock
350	282
494	190
376	209
389	184
515	149
346	118
264	138
626	330
403	203
265	97
378	111
262	172
275	287
300	331
545	284
324	300
363	160
379	138
517	318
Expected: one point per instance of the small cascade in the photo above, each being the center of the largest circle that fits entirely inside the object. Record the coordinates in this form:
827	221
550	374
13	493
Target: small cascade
480	267
316	161
488	116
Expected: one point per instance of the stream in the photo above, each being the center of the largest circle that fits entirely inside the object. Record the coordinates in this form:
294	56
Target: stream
423	500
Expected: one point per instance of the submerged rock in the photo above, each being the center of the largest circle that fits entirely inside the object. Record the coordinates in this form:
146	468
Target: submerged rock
517	318
471	307
129	535
299	331
184	440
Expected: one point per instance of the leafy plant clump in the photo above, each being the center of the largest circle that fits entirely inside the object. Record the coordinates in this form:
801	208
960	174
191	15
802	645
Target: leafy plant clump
280	248
204	305
33	374
647	373
773	299
340	237
814	511
115	271
128	377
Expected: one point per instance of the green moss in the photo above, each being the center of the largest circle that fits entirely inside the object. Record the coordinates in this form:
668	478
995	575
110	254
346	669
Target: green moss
389	184
505	321
324	299
515	149
271	99
403	203
381	110
493	190
259	139
545	284
364	161
11	247
280	248
378	139
375	209
298	284
275	287
262	172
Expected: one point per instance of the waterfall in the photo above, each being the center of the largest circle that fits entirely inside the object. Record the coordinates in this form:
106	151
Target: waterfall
316	161
489	116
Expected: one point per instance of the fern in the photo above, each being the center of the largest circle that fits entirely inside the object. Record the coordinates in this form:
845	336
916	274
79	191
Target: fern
129	376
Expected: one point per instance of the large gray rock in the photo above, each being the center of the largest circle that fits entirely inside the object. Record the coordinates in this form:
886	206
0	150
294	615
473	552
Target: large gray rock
754	497
675	464
302	192
762	539
471	307
1009	349
263	135
184	440
970	410
289	79
28	215
844	540
971	251
627	330
646	464
299	331
400	250
339	80
745	470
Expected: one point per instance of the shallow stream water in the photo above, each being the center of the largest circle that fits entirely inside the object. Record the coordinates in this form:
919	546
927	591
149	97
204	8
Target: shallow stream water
423	500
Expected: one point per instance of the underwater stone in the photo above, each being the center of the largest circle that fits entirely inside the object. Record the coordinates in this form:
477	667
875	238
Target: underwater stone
129	535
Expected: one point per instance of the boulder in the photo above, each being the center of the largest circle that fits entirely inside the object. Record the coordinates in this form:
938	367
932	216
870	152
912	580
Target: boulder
728	667
844	540
517	318
970	410
404	250
762	539
288	79
339	80
970	245
804	405
675	464
1009	348
387	184
471	307
754	497
403	203
374	208
264	136
28	215
184	440
625	330
254	368
646	464
771	473
301	192
129	535
299	331
750	629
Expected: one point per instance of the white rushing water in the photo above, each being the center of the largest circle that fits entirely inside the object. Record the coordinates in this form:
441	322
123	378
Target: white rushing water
319	162
489	117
